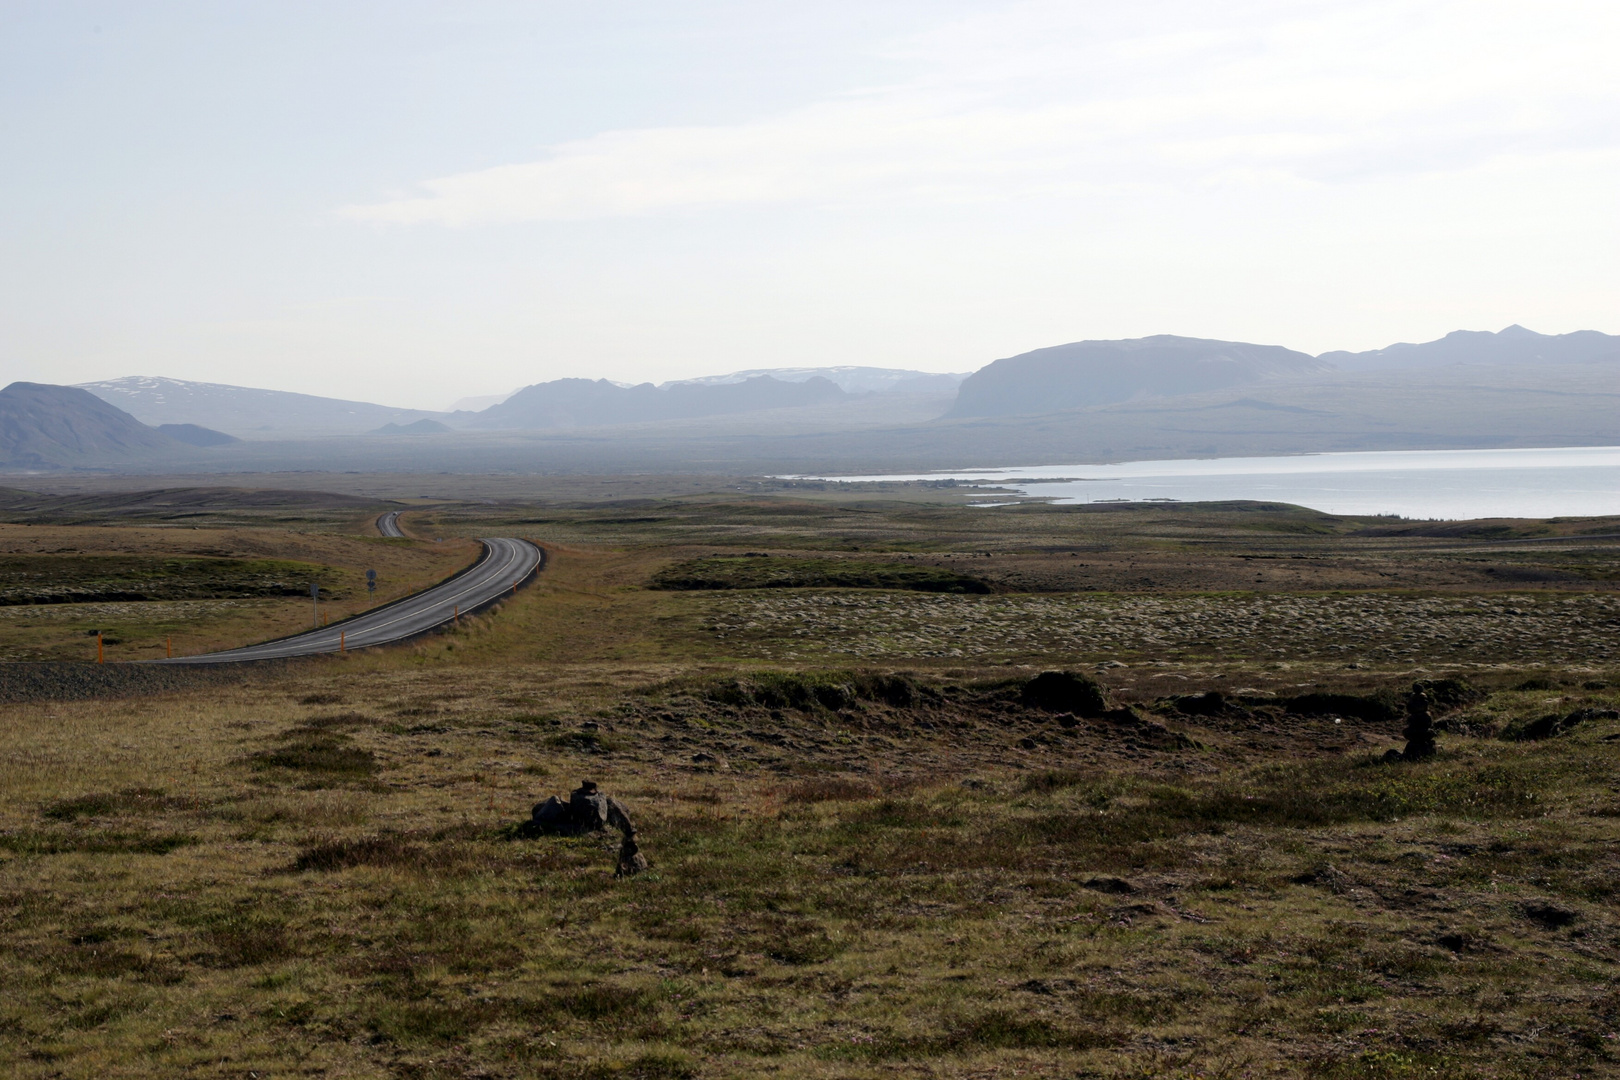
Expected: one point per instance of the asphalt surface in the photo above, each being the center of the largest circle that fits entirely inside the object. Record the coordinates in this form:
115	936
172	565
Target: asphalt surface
506	564
388	524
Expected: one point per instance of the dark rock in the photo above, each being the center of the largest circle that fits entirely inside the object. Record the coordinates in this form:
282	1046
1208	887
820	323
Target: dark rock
1393	755
1210	703
1547	915
1065	692
1117	886
631	860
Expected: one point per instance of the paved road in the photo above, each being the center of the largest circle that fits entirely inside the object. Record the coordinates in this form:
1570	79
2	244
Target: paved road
506	564
388	524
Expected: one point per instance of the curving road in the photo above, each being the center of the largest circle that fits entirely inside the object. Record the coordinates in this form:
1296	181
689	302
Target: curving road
388	524
505	564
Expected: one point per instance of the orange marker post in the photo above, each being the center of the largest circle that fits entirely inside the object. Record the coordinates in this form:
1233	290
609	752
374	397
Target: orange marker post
101	657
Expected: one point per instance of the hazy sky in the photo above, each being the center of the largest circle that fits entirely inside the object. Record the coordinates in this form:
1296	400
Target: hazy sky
412	202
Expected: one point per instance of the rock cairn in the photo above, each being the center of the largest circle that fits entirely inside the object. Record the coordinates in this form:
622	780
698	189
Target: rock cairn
1419	726
588	810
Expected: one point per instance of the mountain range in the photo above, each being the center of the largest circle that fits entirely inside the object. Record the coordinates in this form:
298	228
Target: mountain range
1512	346
573	403
1163	395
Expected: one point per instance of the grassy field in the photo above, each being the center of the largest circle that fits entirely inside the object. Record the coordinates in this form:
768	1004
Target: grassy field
877	848
143	587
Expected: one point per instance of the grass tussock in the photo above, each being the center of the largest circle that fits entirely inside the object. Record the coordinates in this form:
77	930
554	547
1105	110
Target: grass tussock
130	801
829	789
319	753
812	691
94	841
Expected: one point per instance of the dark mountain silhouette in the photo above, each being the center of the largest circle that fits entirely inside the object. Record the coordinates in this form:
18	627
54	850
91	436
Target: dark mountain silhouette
421	427
1090	373
196	435
570	403
1515	345
44	427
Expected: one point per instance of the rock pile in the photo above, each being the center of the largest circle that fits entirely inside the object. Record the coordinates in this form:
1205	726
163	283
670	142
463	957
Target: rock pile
588	810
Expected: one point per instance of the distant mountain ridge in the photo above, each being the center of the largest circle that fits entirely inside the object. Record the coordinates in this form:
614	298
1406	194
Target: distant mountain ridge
1083	374
571	403
244	411
1513	345
850	378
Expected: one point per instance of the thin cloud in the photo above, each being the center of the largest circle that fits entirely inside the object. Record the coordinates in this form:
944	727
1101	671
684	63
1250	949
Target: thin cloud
1042	100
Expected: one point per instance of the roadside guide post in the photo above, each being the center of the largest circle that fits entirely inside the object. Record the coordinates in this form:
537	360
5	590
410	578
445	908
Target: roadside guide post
371	584
315	604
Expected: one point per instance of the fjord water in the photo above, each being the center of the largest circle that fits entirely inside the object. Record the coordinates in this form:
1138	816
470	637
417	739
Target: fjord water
1450	484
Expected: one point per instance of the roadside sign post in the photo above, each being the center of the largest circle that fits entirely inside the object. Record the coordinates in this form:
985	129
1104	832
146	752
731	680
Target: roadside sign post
315	604
371	584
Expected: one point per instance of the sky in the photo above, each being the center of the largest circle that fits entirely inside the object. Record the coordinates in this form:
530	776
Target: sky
412	202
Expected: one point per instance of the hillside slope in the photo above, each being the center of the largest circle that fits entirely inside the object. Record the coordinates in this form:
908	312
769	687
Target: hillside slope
53	427
569	403
244	411
1090	373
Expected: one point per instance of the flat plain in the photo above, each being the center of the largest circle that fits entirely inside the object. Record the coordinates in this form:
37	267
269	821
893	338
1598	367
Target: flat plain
879	844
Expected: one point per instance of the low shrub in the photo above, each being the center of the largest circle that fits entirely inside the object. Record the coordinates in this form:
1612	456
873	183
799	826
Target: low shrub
318	752
764	572
140	800
829	789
